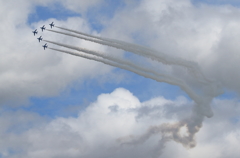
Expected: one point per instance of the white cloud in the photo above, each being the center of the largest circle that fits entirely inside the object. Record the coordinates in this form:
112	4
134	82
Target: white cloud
97	130
81	6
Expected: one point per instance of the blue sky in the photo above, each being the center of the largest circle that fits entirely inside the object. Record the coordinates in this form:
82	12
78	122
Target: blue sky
45	12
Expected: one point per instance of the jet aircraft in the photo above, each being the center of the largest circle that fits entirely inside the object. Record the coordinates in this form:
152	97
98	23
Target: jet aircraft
43	28
35	32
45	46
40	38
52	24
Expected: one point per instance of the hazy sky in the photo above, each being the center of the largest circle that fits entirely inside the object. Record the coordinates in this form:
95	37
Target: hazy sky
57	105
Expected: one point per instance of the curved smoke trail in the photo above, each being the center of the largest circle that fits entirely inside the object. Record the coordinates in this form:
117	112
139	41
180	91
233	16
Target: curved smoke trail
168	131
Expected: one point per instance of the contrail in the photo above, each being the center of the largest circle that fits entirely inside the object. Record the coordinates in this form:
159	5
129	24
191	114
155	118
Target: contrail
140	50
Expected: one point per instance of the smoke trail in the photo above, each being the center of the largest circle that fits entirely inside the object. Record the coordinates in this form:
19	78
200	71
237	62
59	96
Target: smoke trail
118	63
168	131
164	77
107	39
143	51
92	40
172	131
159	77
212	90
140	49
202	102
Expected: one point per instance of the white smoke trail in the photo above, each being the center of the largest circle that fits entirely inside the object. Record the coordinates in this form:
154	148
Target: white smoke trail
159	77
116	63
203	103
164	77
212	87
143	51
169	131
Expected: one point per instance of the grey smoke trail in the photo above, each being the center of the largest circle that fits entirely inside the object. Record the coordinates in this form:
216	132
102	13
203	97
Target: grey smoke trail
202	102
91	39
212	87
159	77
164	77
81	33
100	58
143	51
106	39
168	131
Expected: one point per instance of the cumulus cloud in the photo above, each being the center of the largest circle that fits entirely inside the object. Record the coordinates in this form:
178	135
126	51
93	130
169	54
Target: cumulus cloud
98	130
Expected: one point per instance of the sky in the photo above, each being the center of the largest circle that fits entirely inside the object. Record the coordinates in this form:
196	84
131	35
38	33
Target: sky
179	99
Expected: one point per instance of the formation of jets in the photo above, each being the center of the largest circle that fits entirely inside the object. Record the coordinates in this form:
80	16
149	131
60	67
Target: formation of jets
40	38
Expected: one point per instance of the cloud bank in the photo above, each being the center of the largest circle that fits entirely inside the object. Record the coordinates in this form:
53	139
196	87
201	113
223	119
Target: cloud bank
98	130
